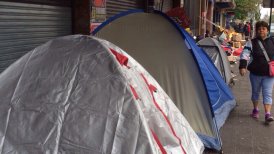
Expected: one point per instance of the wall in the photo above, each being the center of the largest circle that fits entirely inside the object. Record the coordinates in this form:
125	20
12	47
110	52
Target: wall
209	26
81	16
193	11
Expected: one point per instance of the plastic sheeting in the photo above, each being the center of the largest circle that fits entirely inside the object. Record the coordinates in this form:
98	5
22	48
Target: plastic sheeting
79	94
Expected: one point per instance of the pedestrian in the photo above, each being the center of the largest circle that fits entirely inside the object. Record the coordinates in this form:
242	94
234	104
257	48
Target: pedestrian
247	30
241	29
259	70
251	28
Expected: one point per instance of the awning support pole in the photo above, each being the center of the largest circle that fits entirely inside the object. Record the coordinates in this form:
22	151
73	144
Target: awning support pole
270	18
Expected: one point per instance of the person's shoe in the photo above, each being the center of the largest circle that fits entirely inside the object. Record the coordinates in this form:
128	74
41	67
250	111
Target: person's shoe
255	114
268	118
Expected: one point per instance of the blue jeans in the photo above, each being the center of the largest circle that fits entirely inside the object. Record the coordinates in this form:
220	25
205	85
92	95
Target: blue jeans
264	83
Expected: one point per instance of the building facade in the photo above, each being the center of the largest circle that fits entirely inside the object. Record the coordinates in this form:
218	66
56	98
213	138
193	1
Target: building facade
204	14
101	10
223	12
201	13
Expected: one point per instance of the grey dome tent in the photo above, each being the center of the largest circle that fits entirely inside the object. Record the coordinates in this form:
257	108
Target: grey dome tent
212	47
79	94
179	66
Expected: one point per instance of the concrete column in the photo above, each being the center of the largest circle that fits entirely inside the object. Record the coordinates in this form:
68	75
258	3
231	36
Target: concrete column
193	11
81	16
203	16
223	18
210	10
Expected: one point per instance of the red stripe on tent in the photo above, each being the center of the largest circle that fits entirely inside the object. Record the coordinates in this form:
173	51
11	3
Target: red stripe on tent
158	142
152	89
134	92
123	60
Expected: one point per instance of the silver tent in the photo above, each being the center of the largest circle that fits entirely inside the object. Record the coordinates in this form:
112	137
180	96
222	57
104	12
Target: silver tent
80	94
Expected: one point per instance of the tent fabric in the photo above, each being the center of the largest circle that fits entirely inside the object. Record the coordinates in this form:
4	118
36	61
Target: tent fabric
216	58
81	94
221	97
174	60
214	50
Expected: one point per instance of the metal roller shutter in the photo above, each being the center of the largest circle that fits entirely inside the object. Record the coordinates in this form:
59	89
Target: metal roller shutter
167	5
25	26
163	5
116	6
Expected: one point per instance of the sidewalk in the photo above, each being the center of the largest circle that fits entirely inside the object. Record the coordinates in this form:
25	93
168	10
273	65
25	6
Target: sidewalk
241	134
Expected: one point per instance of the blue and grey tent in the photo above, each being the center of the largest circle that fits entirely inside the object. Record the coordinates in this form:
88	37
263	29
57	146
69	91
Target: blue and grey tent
184	71
218	56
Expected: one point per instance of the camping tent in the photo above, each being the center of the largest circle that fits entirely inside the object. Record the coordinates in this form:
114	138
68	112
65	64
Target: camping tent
214	50
79	94
179	66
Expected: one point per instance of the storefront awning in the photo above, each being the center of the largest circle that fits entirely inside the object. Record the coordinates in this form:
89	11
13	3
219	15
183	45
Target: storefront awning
225	4
266	3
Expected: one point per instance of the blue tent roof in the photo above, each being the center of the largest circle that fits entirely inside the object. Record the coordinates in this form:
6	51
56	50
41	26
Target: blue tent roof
219	95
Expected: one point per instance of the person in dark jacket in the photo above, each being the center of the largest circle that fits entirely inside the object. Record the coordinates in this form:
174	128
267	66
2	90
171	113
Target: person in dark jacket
253	59
247	30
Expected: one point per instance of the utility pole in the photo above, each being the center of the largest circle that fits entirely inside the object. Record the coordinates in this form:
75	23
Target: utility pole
270	18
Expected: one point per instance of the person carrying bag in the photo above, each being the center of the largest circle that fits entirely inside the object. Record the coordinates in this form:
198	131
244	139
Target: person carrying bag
270	63
257	57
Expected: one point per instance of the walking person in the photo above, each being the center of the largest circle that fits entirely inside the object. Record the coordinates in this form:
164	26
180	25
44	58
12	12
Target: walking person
259	70
251	28
241	29
247	31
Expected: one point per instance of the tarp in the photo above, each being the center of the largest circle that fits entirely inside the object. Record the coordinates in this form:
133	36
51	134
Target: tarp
214	50
80	94
176	62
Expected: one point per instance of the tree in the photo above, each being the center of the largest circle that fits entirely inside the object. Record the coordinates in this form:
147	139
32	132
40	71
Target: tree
246	7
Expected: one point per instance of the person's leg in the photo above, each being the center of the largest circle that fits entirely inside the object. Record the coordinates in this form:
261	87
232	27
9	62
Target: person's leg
255	111
256	86
267	86
267	107
255	104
